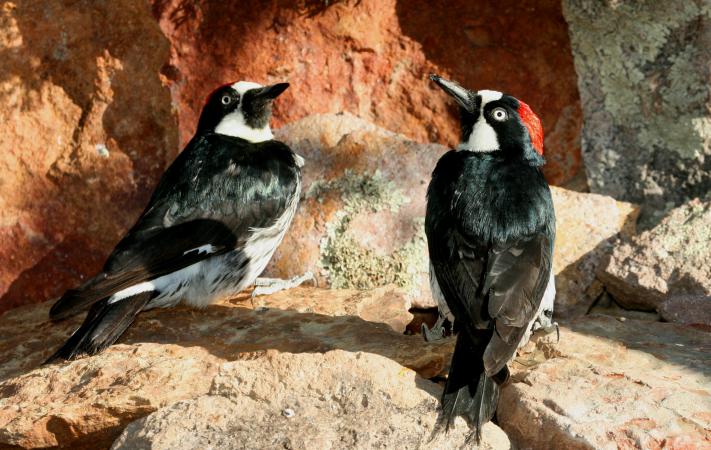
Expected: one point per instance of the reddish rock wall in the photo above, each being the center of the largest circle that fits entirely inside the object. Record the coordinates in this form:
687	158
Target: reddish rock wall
90	98
86	128
372	57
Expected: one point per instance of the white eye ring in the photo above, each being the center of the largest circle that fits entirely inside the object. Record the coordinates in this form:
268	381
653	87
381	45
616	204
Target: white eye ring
499	114
226	99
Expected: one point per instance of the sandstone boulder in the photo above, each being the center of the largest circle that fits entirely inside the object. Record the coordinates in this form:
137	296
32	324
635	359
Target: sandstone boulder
86	128
672	258
306	401
612	384
174	354
371	58
643	75
587	226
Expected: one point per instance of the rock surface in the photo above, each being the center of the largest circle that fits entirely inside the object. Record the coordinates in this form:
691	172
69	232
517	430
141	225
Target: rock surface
685	308
361	220
360	223
612	384
306	401
173	354
86	129
372	57
644	80
672	258
587	225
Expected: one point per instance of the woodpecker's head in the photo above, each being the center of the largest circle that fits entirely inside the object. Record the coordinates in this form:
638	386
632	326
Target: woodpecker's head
242	110
496	122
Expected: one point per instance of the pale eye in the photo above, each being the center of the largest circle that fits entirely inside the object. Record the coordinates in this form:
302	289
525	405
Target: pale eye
226	99
499	114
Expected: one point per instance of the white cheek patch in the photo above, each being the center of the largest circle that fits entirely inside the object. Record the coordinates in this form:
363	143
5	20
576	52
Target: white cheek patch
233	124
483	137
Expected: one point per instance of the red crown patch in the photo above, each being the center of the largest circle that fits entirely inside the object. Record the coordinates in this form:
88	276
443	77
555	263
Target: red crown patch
533	124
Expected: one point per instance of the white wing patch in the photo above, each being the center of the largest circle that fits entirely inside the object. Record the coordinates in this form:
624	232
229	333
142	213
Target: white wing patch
207	248
131	291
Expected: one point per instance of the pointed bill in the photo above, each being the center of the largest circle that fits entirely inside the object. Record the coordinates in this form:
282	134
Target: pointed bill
460	94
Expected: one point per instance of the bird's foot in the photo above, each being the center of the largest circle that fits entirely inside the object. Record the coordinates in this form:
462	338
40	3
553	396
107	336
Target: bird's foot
551	328
266	286
437	333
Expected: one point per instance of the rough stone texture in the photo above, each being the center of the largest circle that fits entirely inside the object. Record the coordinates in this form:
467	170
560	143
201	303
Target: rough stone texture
611	384
173	354
306	401
360	223
86	128
586	228
644	74
689	309
372	57
672	258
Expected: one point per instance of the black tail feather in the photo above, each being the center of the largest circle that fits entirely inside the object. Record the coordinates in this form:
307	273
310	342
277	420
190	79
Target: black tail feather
468	393
103	325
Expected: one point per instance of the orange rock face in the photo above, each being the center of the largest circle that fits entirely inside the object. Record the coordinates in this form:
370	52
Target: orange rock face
86	128
372	57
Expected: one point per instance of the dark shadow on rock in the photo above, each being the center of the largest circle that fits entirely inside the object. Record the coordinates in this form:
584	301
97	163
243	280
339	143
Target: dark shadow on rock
227	332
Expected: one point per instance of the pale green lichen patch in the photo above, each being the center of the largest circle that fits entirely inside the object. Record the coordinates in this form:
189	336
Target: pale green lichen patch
349	264
645	57
685	233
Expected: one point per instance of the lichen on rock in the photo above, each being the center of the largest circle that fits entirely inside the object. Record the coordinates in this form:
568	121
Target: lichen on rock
350	264
643	78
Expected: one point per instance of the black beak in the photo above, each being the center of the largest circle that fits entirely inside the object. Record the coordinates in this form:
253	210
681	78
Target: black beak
461	95
273	91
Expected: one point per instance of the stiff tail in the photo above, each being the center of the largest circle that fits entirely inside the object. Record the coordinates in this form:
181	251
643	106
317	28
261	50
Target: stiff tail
103	325
469	392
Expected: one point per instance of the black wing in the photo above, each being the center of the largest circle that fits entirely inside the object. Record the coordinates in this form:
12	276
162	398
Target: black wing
499	288
204	205
491	288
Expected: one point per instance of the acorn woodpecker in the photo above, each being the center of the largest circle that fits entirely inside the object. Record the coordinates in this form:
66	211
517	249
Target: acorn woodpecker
213	223
490	229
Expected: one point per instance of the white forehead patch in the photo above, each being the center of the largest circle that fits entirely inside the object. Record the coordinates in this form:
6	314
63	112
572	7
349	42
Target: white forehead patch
483	137
233	124
243	86
489	96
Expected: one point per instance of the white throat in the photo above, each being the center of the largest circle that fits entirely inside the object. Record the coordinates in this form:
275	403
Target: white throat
233	124
483	137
